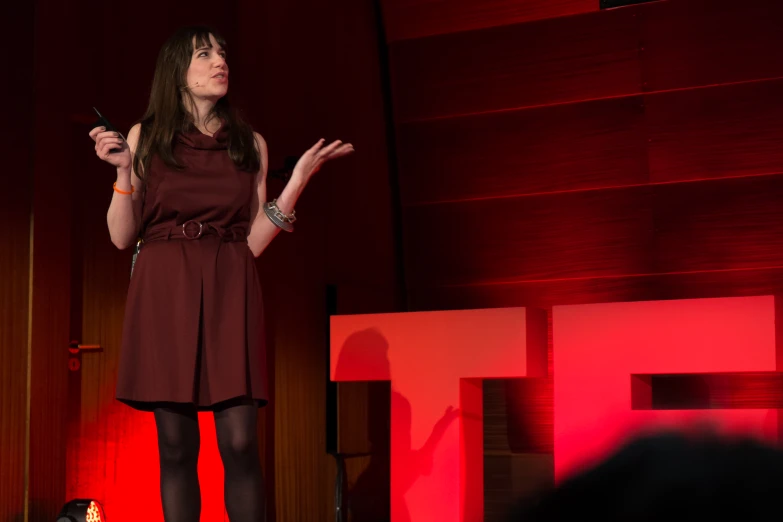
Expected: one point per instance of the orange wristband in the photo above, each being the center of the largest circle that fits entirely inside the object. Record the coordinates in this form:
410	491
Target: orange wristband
132	190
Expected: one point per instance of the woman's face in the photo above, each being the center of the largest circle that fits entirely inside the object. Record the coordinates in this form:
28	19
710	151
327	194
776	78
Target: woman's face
208	71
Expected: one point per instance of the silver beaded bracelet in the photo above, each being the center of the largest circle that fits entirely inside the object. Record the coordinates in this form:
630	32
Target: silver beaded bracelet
280	219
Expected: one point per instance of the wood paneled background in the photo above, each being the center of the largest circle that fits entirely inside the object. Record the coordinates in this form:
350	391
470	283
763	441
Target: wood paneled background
551	153
15	205
547	153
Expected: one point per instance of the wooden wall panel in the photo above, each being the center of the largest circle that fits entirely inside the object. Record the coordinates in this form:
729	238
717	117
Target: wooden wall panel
594	237
575	146
721	283
690	43
518	143
725	131
51	278
732	130
726	224
539	293
14	292
586	234
418	18
656	46
552	61
15	207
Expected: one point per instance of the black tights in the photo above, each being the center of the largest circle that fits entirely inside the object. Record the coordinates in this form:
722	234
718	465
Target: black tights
178	443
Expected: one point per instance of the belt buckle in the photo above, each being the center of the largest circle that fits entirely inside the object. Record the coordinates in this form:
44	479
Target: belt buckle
200	229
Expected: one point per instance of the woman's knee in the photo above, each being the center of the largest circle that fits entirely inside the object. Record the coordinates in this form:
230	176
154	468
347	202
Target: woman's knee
238	445
178	451
178	438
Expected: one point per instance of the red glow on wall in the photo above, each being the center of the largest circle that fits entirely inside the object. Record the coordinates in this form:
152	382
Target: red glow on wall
435	362
597	349
115	460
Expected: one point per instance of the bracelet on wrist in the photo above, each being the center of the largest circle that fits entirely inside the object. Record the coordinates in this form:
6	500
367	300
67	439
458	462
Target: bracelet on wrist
278	217
124	192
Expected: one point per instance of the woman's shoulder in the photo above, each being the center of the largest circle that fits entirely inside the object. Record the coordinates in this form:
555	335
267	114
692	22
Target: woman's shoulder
134	131
133	136
260	142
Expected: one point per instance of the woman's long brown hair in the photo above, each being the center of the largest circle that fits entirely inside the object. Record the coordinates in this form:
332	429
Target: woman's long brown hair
167	115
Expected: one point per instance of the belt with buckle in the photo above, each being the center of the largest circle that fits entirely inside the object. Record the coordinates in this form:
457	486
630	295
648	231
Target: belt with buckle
193	229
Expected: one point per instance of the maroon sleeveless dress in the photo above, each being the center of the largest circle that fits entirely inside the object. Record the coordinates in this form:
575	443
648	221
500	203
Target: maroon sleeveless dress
193	330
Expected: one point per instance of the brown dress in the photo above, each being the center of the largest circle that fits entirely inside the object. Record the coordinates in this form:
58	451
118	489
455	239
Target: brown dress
193	330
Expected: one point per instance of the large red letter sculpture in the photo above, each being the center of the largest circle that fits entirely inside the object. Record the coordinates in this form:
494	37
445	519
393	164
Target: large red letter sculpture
435	362
598	349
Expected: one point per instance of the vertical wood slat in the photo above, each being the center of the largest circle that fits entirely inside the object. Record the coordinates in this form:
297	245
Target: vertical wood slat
51	267
14	292
15	209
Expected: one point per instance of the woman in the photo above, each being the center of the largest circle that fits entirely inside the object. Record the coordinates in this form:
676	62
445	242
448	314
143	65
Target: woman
191	182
